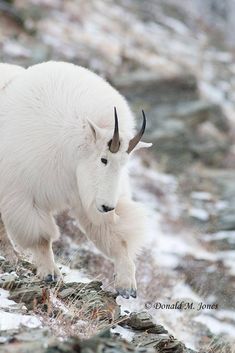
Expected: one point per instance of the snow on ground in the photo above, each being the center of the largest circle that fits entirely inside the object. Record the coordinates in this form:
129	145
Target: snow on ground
125	333
199	213
228	258
11	321
177	247
217	327
73	275
4	301
184	291
225	314
228	235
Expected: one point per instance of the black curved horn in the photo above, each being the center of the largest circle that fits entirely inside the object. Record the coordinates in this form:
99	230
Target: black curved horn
115	142
136	139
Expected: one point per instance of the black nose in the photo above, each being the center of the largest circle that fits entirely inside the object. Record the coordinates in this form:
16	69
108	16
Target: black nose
107	208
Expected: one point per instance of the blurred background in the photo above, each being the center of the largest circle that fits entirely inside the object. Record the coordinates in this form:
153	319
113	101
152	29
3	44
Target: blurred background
175	60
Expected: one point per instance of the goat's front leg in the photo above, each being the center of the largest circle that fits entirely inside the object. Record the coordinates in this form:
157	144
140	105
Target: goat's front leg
124	267
116	248
119	236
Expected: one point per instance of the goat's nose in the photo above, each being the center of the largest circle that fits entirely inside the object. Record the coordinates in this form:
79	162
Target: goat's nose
107	208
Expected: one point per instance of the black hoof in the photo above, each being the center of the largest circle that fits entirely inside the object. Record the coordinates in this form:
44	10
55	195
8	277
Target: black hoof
49	278
133	293
127	293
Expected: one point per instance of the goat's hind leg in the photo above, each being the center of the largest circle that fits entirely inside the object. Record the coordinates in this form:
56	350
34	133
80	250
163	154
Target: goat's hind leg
31	228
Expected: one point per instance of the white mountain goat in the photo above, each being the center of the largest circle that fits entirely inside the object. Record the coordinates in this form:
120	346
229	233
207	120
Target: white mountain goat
62	146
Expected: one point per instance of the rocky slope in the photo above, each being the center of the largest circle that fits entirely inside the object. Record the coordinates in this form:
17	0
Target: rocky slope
28	306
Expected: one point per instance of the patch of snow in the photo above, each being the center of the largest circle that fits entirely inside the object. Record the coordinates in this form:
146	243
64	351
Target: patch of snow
176	25
211	92
199	213
226	254
73	275
125	333
182	290
147	199
167	260
6	275
15	49
211	269
178	246
230	263
59	303
221	205
222	235
81	322
201	195
217	327
137	169
172	244
4	301
225	314
11	321
224	57
4	339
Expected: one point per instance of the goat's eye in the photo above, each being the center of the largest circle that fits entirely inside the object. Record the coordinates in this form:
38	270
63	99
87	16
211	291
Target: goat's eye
104	161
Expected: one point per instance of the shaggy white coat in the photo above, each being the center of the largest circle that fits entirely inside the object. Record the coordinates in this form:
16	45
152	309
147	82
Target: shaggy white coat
56	120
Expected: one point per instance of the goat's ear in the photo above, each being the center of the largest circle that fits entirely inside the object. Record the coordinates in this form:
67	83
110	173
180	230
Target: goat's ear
142	144
96	130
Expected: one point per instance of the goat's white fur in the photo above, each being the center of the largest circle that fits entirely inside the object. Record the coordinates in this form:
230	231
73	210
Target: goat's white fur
55	122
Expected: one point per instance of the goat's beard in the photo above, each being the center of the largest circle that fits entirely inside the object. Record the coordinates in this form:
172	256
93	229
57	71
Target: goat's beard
98	218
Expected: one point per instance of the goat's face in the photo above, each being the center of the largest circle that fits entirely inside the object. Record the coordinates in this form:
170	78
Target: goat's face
100	172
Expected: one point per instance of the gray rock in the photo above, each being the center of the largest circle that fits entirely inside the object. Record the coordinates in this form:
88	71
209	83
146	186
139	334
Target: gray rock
140	321
31	296
38	334
206	282
191	133
182	127
67	292
226	219
154	89
161	343
220	209
7	280
97	302
96	344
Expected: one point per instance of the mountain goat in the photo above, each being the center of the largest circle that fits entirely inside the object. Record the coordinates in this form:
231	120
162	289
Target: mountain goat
63	145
